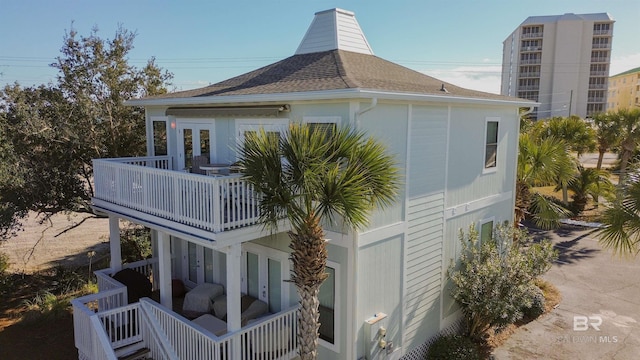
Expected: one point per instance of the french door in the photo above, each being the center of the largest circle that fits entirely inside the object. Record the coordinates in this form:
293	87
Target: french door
195	138
263	273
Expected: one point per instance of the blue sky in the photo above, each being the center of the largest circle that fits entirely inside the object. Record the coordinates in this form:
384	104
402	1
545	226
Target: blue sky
203	42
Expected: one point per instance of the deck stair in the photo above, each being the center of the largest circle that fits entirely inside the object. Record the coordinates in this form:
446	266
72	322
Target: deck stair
135	351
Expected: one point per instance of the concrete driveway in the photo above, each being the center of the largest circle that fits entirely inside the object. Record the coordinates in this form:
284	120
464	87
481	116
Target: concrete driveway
599	314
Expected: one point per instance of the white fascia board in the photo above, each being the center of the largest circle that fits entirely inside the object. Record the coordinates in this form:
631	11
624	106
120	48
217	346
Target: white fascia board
326	95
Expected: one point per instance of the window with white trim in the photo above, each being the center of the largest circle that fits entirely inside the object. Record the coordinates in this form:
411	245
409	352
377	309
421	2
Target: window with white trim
159	137
486	230
491	144
329	308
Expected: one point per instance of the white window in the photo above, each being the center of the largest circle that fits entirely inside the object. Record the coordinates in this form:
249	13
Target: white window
275	127
486	230
329	297
491	144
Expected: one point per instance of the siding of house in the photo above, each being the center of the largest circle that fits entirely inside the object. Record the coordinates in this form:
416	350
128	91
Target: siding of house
466	181
423	268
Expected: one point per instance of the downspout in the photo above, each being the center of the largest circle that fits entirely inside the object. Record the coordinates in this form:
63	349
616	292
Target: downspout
374	103
354	259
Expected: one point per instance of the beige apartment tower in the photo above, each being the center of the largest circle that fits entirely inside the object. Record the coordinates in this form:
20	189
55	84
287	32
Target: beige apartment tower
561	61
624	90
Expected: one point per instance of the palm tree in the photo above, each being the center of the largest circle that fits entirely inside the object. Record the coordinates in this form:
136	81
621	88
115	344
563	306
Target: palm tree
606	134
313	177
590	182
541	162
622	222
629	135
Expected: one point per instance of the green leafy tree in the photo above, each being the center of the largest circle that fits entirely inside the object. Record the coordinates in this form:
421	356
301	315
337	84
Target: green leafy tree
312	177
541	162
494	280
54	131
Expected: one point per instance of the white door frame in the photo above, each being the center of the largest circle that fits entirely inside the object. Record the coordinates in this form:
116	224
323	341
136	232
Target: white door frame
264	254
195	125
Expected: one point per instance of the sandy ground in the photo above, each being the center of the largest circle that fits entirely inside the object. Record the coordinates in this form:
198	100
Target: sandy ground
40	246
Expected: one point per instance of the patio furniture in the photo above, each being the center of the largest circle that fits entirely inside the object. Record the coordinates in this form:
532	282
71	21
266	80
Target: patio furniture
212	324
199	300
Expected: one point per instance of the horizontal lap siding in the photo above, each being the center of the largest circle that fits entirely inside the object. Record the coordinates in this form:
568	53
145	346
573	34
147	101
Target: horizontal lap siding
425	223
423	268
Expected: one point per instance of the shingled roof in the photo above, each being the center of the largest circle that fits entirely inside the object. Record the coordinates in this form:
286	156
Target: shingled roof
344	63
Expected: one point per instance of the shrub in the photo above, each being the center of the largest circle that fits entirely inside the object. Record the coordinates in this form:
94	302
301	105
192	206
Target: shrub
136	243
494	280
454	347
537	304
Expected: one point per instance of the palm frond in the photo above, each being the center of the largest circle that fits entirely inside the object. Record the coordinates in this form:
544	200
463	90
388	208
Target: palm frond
546	213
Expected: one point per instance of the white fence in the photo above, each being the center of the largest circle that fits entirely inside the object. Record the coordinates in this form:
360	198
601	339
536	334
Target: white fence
205	202
270	338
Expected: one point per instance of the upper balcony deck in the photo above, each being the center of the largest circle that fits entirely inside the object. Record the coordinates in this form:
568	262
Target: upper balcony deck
147	189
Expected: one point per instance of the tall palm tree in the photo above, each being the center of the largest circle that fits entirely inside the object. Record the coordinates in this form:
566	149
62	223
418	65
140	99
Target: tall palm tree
606	134
312	177
541	162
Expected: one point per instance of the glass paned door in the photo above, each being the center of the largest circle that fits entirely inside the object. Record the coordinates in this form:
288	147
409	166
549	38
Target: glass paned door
274	286
195	139
263	276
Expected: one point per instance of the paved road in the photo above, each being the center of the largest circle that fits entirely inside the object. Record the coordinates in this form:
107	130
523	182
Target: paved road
599	315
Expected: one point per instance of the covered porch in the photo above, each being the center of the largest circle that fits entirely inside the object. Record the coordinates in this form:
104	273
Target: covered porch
199	214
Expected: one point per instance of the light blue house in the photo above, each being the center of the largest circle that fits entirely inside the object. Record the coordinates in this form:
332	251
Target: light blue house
387	291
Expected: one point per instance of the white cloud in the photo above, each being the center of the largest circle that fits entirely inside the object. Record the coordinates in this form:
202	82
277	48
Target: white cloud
482	78
623	63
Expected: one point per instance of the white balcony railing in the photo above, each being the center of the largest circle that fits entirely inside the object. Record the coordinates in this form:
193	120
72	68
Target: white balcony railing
147	185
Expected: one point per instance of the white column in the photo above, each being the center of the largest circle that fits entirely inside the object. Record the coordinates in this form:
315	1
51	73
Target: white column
233	287
164	268
114	243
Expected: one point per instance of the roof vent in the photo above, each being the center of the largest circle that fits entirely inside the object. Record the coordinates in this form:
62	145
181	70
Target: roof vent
444	89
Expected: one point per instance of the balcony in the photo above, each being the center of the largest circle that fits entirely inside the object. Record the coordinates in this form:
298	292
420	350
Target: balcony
595	100
530	61
597	86
532	35
146	188
599	59
530	48
598	73
535	74
528	87
602	32
601	46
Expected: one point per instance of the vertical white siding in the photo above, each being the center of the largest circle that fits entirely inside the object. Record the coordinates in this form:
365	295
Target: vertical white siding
423	268
334	29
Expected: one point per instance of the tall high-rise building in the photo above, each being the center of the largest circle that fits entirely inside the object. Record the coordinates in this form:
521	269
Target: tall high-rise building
561	61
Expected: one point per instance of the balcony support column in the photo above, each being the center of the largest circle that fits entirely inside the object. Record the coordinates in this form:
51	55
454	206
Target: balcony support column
234	322
114	243
164	269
